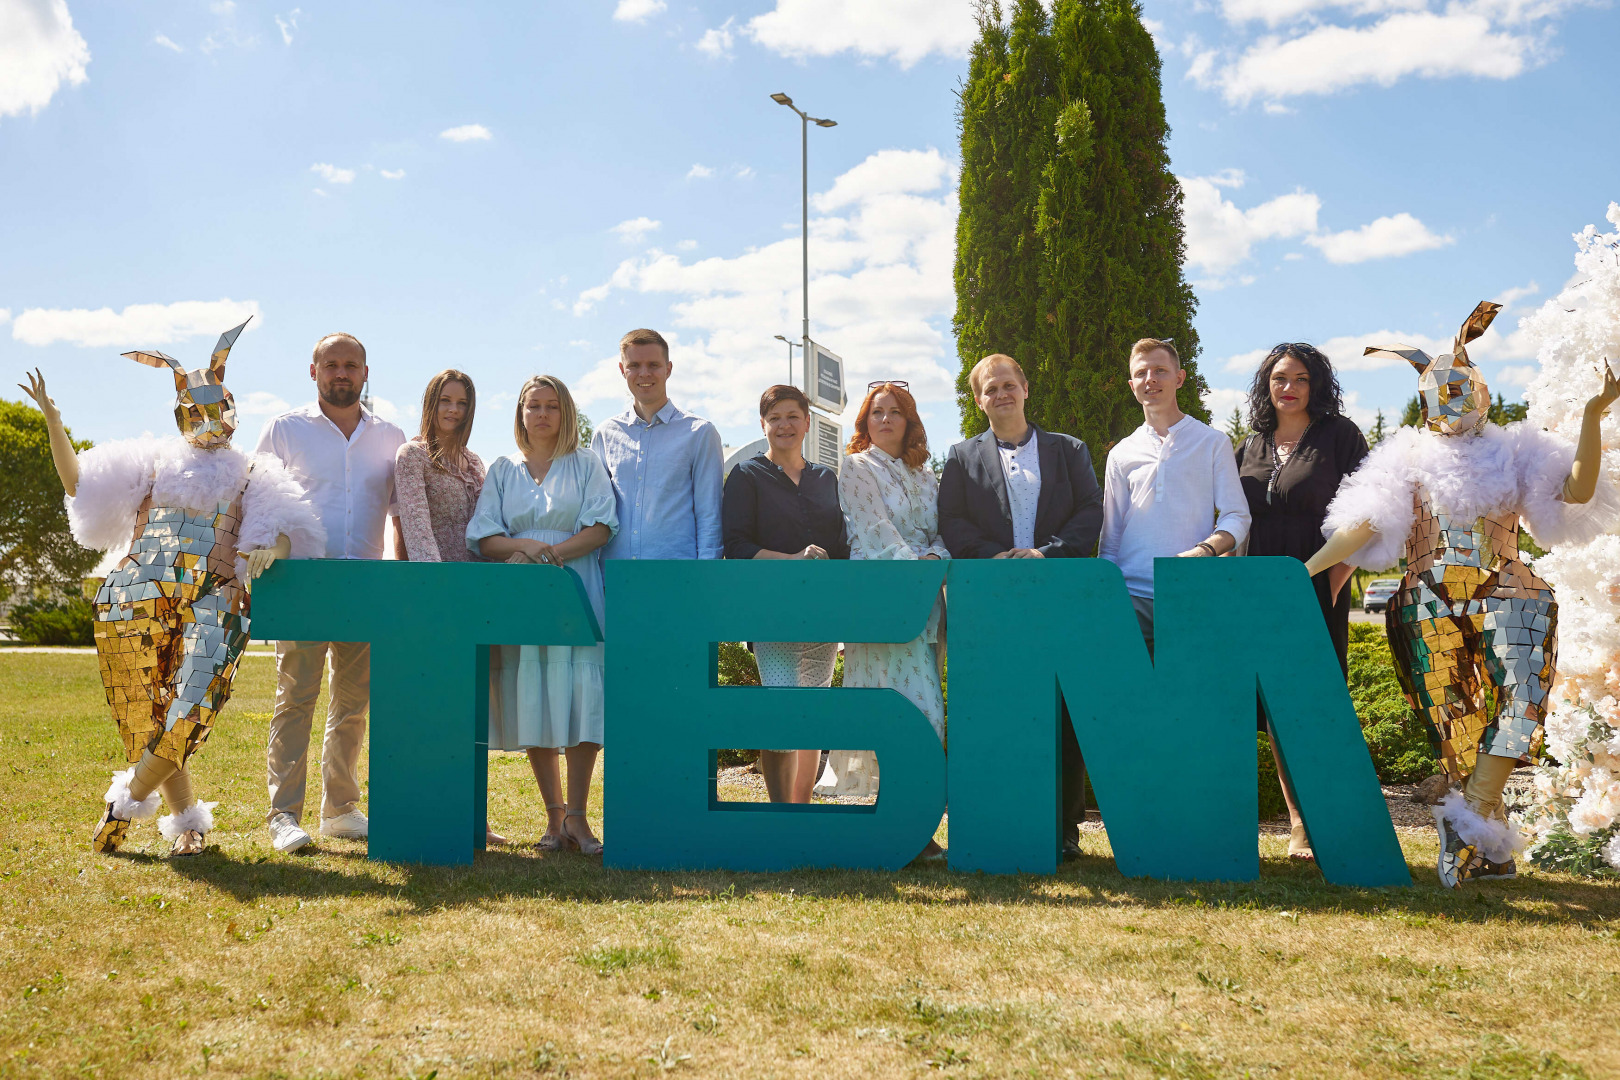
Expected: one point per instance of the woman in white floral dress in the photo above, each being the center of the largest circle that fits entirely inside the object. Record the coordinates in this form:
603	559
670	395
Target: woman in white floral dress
890	501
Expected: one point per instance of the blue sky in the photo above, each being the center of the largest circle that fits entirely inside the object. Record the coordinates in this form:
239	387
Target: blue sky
507	188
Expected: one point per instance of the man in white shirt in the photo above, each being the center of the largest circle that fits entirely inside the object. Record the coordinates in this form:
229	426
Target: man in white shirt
343	454
1171	486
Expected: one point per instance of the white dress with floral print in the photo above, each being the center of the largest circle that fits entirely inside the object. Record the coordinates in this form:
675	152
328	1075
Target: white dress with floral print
892	512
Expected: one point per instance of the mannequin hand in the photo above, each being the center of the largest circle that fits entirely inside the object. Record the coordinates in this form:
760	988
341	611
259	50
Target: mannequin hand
1611	390
261	559
36	390
812	551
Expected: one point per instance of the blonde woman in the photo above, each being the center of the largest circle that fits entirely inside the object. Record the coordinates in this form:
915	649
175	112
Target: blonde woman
552	504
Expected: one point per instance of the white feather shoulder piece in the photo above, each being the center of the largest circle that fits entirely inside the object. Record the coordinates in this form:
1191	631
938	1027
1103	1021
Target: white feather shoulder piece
1519	469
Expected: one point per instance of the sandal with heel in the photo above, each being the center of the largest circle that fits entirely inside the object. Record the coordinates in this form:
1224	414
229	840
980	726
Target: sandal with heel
552	841
587	845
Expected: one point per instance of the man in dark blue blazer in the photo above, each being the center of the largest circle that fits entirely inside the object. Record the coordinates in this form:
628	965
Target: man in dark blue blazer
1017	492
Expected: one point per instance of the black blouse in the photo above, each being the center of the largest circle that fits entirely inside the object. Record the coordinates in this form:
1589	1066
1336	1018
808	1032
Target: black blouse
763	509
1287	513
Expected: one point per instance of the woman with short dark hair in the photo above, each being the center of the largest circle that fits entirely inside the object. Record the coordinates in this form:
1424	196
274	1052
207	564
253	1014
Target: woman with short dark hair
1291	467
776	505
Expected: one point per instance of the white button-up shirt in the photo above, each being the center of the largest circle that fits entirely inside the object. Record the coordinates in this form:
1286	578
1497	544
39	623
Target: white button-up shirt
350	481
1161	496
1021	468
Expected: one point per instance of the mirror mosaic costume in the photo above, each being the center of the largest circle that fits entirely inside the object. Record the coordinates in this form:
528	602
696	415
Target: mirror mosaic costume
1473	630
171	620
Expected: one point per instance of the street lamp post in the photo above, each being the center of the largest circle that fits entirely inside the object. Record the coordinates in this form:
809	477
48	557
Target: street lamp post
805	120
791	346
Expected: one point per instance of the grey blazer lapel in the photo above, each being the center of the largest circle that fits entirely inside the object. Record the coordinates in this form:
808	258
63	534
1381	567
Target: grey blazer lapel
1048	453
990	462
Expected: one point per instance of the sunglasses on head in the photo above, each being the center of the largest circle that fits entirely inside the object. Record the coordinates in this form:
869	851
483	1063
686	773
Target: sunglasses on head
888	382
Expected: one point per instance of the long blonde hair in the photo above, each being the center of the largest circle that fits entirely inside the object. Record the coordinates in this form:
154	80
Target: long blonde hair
567	422
443	453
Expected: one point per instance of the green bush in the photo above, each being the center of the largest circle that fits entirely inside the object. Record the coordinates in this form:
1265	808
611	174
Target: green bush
45	622
1397	736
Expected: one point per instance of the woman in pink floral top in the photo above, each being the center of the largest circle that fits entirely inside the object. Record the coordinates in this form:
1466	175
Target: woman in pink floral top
437	480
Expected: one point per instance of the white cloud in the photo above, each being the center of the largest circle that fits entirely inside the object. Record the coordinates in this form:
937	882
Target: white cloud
1385	238
744	172
393	174
223	7
1275	12
287	24
1220	236
393	413
39	51
1517	375
635	230
168	43
902	30
466	133
321	193
699	172
1509	297
5	315
1491	39
260	403
638	10
686	245
882	247
1220	401
332	174
137	326
717	41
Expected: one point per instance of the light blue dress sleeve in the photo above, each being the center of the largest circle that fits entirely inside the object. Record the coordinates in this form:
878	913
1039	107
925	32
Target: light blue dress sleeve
489	517
597	504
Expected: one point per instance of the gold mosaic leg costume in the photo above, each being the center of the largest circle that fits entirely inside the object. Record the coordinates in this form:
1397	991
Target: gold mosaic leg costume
171	624
1474	635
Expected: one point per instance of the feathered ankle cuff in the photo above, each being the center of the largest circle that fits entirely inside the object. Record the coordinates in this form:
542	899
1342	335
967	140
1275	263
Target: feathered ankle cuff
125	808
1497	839
198	817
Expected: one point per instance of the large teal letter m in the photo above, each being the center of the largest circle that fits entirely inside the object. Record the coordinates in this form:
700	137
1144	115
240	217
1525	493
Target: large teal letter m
1169	745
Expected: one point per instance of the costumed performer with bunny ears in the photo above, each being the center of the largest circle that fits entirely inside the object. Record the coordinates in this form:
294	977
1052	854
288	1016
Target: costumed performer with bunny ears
171	620
1473	629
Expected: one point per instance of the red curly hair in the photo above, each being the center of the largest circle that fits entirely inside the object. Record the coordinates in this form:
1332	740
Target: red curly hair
914	447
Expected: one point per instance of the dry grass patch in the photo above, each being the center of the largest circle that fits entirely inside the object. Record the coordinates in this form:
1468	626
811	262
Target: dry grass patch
247	963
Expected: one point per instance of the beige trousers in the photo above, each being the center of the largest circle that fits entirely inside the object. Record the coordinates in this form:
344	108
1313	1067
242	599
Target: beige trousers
299	666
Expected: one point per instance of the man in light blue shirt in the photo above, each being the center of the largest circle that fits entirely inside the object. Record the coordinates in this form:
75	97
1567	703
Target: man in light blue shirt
665	464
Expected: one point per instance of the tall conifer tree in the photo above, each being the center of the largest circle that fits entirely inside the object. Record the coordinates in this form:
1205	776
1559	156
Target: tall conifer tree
1087	202
1006	110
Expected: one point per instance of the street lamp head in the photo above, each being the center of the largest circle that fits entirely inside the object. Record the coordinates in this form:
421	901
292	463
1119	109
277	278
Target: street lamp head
782	99
779	337
825	123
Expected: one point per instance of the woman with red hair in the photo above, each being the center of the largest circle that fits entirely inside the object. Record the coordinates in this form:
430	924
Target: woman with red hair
890	499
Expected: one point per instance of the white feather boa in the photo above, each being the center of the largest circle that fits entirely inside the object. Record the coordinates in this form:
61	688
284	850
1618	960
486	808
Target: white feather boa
115	477
1518	468
1498	839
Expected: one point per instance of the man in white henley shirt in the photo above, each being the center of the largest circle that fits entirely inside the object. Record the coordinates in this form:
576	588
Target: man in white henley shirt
343	454
1171	486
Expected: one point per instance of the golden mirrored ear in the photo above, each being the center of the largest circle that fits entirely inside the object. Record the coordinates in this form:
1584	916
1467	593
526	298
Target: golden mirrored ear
1419	359
157	360
1478	321
216	362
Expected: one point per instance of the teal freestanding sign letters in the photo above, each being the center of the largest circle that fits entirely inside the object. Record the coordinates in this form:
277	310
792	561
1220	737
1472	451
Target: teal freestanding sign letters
430	626
1169	742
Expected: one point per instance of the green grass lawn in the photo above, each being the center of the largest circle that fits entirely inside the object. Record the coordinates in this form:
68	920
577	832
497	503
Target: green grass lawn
247	963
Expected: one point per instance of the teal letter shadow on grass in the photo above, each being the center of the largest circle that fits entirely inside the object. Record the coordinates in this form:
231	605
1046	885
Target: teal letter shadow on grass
666	715
1169	746
430	626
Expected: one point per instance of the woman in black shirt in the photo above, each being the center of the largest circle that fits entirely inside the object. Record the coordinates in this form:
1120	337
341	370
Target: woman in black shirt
1302	447
778	506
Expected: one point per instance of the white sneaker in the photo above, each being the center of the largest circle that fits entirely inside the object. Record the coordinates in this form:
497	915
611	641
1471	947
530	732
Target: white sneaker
350	826
286	835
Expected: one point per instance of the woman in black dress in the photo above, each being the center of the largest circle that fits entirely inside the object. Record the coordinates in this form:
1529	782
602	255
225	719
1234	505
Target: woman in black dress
1302	447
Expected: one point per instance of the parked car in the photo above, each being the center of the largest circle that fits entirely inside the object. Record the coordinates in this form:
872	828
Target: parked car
1375	597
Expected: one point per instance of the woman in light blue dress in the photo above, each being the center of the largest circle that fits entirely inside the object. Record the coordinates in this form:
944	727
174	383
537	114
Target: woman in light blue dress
552	504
